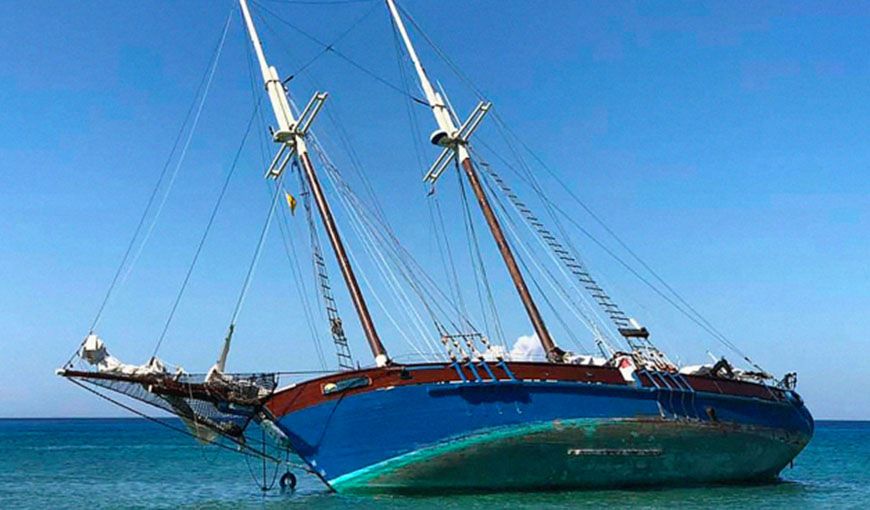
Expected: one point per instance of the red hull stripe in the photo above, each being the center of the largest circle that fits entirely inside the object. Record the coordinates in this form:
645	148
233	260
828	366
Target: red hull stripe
311	392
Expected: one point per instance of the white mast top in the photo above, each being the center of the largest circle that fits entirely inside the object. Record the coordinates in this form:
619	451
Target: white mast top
436	102
453	139
275	89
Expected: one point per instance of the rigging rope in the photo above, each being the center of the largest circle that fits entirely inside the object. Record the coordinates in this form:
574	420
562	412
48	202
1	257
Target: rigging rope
328	47
238	446
700	323
180	159
301	288
264	486
563	259
351	204
342	349
374	225
698	318
442	55
205	81
355	162
286	237
343	137
207	229
391	280
387	274
561	249
479	267
433	206
686	309
372	229
385	249
256	258
604	346
449	265
318	2
333	50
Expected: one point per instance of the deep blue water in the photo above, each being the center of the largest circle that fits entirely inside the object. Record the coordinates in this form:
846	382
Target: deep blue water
132	463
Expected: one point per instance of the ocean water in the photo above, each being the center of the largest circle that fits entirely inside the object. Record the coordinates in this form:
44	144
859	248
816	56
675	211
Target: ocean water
133	463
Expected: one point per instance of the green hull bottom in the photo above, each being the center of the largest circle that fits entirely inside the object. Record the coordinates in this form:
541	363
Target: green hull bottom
585	454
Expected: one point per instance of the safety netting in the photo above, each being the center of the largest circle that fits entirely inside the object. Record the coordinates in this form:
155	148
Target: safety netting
211	406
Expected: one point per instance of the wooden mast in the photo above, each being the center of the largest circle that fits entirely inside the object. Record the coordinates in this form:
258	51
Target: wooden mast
291	135
455	143
553	352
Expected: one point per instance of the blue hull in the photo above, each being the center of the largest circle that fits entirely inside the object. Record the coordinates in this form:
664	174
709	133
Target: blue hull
420	436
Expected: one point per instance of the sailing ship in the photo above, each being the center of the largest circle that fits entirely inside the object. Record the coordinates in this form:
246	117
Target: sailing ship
471	417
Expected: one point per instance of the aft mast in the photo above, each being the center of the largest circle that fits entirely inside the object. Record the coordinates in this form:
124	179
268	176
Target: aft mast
290	134
455	143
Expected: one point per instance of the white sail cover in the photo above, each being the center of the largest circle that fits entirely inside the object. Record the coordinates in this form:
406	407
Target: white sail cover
94	352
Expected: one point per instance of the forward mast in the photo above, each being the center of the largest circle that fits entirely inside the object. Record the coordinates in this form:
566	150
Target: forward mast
290	135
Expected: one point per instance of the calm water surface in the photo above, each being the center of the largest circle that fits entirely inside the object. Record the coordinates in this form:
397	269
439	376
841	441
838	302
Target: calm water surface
131	463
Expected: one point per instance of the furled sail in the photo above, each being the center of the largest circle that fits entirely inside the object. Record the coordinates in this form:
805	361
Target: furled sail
211	406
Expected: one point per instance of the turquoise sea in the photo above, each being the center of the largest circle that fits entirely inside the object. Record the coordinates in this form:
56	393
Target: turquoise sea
133	463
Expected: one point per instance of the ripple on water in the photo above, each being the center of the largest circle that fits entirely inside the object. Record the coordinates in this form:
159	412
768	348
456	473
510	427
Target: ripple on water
134	464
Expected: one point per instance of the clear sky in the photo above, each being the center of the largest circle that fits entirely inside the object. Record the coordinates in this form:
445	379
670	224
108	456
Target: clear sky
728	145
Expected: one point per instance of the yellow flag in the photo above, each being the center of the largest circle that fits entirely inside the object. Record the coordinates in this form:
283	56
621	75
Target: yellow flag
291	202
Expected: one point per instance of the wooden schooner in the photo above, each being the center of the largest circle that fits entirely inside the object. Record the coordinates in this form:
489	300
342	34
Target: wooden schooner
469	417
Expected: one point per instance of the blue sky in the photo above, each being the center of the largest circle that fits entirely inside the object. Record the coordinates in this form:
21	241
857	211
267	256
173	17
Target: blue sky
728	146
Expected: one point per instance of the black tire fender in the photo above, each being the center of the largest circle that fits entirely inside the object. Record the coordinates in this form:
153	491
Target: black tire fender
287	481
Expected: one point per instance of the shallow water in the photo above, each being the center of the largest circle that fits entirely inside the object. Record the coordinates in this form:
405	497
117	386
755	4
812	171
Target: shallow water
132	463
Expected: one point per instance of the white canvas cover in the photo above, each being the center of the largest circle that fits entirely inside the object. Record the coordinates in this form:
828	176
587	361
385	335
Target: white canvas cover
94	352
